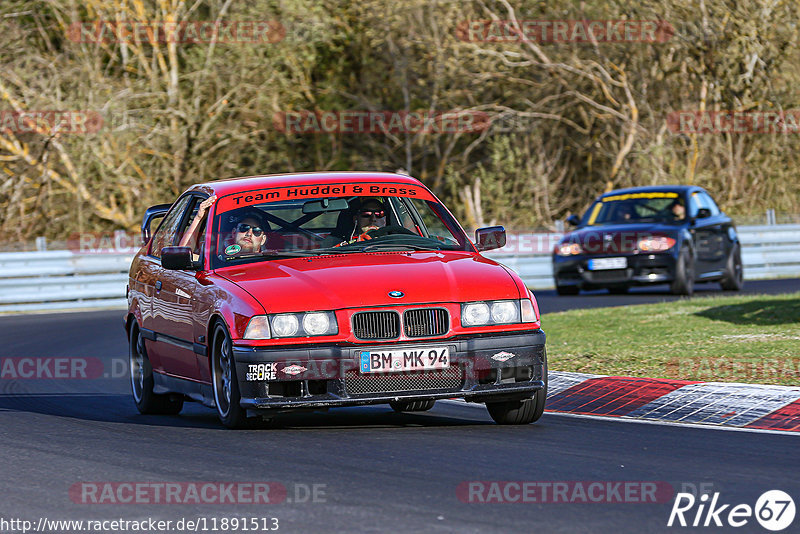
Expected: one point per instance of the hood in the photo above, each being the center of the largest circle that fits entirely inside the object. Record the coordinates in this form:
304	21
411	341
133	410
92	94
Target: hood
357	280
614	238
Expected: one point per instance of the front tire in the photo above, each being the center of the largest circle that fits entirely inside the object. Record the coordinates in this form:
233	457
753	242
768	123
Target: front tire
733	279
142	383
225	381
683	284
520	412
567	290
412	406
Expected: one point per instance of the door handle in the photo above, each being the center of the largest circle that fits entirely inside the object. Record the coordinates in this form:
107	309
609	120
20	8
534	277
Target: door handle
158	285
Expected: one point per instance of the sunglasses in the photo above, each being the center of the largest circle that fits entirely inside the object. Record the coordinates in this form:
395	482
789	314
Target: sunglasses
369	213
242	228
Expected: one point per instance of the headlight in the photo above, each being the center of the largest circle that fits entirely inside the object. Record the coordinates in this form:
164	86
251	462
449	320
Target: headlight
491	312
655	244
474	314
568	249
257	328
285	325
316	324
304	324
505	312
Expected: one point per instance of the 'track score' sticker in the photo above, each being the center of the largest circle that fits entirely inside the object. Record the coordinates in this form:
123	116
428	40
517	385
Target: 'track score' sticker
261	371
233	249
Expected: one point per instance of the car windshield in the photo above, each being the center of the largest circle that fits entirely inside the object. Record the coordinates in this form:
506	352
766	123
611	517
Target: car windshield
665	207
279	228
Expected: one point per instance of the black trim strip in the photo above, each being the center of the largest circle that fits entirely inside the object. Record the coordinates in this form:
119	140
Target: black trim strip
197	348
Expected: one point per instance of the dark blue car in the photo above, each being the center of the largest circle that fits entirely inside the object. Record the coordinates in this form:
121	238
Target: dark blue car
649	235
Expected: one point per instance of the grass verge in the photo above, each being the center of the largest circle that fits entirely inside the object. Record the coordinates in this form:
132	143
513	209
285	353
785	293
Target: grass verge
753	339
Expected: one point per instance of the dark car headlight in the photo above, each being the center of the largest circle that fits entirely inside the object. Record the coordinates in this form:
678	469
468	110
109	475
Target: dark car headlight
568	249
655	243
306	324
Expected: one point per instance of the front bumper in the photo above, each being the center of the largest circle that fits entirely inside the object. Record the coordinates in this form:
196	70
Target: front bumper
327	376
642	269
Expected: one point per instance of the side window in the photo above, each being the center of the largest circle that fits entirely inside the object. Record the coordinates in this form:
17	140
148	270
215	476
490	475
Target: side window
694	204
432	223
196	244
710	204
168	231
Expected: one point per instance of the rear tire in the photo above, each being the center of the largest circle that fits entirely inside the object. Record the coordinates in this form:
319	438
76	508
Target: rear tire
733	279
142	383
412	406
683	284
225	381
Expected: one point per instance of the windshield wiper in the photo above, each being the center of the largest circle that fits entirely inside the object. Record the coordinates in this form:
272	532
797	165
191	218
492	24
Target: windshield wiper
274	254
396	246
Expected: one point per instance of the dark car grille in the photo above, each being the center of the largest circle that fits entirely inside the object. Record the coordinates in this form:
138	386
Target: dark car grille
613	275
426	322
376	325
450	379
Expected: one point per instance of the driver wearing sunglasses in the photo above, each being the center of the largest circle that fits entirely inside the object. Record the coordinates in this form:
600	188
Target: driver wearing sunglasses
249	235
369	217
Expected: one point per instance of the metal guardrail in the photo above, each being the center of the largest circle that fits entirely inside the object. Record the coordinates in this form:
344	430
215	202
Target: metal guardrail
61	279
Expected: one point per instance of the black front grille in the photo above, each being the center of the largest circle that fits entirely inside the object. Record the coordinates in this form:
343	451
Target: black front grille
426	322
376	325
450	379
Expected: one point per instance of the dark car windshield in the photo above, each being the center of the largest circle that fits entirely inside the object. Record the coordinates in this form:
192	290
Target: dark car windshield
629	208
314	226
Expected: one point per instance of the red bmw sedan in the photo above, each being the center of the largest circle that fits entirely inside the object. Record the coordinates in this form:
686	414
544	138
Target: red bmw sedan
268	294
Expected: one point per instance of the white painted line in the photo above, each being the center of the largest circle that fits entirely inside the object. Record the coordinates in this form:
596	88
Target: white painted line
641	421
711	402
558	381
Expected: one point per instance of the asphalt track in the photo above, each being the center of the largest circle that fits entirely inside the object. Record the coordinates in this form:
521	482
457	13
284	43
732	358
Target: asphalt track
379	471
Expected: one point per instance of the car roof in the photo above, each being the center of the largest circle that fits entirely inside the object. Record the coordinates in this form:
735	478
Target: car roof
250	183
683	189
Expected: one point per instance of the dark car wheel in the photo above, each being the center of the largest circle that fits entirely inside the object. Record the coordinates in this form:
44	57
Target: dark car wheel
733	278
521	412
412	406
567	290
142	382
225	381
683	284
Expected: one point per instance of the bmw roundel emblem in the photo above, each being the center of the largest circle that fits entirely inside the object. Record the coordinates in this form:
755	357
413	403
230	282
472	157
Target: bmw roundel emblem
396	294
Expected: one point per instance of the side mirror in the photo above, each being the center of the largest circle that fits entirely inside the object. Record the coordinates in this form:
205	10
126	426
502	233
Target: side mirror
490	238
703	213
574	220
153	212
177	258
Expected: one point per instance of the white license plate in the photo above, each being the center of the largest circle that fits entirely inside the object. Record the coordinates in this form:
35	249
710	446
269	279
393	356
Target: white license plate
399	360
599	264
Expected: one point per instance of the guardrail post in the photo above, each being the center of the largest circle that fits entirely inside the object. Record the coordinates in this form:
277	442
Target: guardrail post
41	243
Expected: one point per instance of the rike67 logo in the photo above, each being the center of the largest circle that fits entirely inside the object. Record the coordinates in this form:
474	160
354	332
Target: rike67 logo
774	510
